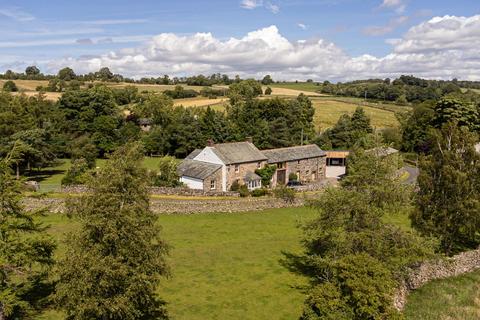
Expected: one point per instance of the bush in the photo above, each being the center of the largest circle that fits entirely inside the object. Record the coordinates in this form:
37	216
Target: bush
284	193
292	177
77	173
10	86
167	175
361	288
268	91
235	186
259	192
243	190
266	173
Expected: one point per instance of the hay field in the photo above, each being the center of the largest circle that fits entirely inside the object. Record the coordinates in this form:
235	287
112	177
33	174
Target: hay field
199	102
327	113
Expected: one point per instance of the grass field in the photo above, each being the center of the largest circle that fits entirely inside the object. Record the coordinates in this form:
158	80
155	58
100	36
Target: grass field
201	102
50	178
327	113
228	266
302	86
225	266
453	298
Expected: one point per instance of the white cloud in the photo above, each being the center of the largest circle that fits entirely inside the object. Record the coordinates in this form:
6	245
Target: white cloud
17	14
114	22
251	4
398	5
382	30
272	7
443	47
302	26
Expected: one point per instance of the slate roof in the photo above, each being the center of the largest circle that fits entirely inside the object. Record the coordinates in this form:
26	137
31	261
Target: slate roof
238	152
251	176
193	154
197	169
293	153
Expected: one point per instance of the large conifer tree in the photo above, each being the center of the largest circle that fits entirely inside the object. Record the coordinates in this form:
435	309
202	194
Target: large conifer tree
25	250
113	264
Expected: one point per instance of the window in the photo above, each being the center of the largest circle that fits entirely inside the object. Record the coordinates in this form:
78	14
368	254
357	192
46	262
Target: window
314	175
237	168
280	165
212	184
259	165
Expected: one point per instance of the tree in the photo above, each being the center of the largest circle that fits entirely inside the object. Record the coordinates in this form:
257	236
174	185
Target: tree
454	110
32	71
351	255
167	175
448	201
66	74
10	86
268	91
26	253
104	74
115	260
267	80
76	174
244	90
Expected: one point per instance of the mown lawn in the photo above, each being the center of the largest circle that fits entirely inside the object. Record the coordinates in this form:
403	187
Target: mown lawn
454	298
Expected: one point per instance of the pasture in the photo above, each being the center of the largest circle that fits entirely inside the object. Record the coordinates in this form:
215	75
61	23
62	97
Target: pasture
454	298
300	86
50	178
228	266
328	111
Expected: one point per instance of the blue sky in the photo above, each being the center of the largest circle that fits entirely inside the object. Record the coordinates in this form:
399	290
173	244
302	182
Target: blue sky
88	33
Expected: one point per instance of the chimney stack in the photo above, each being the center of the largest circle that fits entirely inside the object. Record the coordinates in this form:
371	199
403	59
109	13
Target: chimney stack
210	143
249	139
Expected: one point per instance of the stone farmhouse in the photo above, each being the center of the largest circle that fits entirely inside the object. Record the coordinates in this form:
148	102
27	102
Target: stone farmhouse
217	166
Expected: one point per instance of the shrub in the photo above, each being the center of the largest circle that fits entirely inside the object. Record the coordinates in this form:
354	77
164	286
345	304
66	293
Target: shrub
259	192
361	287
77	173
268	91
10	86
292	177
284	193
243	190
167	175
266	173
235	186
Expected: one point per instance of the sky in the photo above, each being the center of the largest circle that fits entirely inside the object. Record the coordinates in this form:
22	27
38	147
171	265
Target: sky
336	40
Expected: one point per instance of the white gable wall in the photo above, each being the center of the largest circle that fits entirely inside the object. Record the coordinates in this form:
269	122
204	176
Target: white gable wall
207	155
192	183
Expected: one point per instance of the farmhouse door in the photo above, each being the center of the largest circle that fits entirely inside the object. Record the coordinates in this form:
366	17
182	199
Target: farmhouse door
281	177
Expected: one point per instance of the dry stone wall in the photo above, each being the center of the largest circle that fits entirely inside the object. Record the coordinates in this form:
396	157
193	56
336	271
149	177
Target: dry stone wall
190	206
438	269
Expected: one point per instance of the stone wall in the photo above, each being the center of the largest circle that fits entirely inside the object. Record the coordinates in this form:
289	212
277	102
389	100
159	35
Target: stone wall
437	269
179	206
232	176
217	176
181	191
